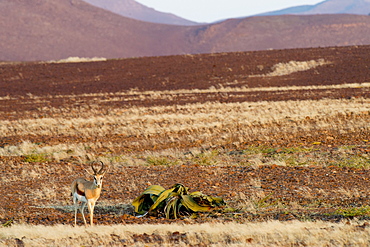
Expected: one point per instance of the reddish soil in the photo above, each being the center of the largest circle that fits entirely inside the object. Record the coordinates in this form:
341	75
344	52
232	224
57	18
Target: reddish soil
281	186
347	65
26	199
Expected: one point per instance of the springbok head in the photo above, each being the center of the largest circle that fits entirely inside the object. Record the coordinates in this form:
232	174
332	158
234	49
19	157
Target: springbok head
98	174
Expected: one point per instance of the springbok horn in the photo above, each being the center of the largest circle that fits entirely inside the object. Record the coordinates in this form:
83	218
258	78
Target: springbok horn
92	167
102	167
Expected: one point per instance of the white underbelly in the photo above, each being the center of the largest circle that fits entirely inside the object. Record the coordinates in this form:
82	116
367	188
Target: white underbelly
79	197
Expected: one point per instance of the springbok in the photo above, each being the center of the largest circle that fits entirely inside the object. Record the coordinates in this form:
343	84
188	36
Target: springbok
88	192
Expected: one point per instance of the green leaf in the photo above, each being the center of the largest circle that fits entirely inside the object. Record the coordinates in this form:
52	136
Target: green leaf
196	193
181	189
154	190
172	205
190	204
138	203
217	201
204	200
143	202
162	197
173	201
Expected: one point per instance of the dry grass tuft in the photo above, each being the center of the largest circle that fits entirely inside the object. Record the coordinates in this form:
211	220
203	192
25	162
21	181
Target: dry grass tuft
79	60
295	66
211	234
195	123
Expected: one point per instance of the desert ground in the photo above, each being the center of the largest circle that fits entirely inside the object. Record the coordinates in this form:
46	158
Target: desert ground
281	135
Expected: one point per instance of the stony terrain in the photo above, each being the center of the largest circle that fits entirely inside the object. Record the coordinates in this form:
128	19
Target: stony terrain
278	134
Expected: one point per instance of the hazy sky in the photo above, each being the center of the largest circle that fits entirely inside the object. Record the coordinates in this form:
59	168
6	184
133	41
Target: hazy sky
214	10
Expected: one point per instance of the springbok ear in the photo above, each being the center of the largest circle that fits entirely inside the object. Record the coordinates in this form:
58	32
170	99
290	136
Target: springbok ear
89	172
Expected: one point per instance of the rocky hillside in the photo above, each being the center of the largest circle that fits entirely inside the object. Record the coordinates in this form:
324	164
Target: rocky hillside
358	7
135	10
52	30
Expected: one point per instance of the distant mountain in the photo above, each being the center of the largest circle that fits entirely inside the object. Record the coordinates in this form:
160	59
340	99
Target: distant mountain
135	10
57	29
359	7
286	31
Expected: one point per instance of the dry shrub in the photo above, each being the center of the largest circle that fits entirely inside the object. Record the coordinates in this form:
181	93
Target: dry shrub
281	69
79	60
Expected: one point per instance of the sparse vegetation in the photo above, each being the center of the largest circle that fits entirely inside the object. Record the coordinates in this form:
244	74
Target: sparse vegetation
196	124
353	212
159	161
271	233
293	171
358	161
35	158
174	202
